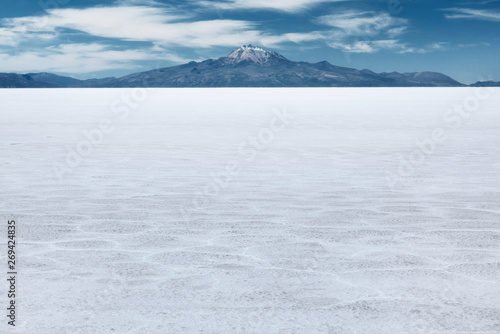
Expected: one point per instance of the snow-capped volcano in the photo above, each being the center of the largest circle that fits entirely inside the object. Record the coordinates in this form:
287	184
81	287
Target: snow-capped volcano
253	54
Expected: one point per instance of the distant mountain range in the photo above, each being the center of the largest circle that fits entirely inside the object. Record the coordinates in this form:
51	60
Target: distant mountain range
247	66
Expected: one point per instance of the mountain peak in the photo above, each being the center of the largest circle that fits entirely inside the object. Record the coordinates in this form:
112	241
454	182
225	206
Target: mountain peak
253	54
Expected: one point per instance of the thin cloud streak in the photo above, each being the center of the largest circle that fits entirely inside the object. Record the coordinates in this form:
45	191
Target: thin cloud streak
473	14
291	6
373	46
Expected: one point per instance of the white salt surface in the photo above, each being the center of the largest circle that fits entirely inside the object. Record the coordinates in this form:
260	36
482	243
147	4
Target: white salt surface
326	227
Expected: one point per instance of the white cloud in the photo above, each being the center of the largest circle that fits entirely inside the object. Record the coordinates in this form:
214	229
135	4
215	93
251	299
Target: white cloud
274	40
366	32
357	47
365	23
279	5
372	46
439	46
138	2
14	37
475	14
109	21
393	32
79	58
474	45
158	25
8	37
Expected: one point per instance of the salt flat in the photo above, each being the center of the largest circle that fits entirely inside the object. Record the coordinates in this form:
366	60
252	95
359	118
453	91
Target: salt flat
253	210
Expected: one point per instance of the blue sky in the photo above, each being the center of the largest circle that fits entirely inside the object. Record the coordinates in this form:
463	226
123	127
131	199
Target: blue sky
94	38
